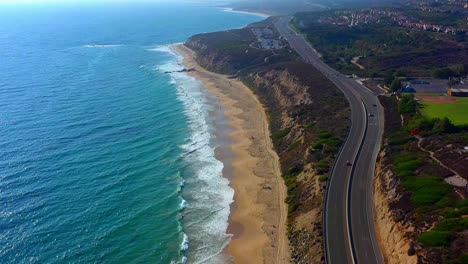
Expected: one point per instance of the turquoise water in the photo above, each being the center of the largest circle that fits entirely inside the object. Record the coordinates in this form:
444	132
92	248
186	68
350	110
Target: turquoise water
105	158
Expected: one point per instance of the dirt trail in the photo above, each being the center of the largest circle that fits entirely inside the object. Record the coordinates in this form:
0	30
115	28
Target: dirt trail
458	181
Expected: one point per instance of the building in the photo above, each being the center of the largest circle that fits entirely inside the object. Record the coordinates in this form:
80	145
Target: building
408	89
457	92
428	85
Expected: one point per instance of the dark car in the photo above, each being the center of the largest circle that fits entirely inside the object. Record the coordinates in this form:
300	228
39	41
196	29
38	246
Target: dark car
348	163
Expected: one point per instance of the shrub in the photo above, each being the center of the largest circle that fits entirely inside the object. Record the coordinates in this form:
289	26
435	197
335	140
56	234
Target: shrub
280	134
408	166
317	145
421	123
408	104
461	260
452	225
450	213
435	238
310	125
323	178
322	165
324	134
443	125
294	145
426	190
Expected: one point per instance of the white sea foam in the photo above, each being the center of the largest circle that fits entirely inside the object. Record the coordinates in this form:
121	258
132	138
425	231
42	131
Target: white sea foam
101	46
185	243
184	204
207	190
164	49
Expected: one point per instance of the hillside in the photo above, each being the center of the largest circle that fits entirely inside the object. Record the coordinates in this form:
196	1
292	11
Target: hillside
419	191
413	39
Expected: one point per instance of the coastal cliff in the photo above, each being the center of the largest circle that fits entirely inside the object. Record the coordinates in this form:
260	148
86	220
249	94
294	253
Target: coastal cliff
308	116
301	119
391	224
419	217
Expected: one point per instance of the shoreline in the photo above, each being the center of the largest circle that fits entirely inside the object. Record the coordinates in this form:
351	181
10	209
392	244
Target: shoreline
258	216
232	10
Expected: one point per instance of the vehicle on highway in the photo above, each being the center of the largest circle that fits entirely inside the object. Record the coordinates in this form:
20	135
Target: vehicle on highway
374	105
371	115
348	163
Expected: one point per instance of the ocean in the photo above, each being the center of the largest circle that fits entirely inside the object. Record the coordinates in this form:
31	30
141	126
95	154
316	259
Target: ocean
105	157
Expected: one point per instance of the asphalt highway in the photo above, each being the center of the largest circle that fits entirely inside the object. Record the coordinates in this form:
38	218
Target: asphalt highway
348	218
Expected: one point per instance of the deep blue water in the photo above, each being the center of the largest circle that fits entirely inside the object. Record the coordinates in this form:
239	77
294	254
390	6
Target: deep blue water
96	142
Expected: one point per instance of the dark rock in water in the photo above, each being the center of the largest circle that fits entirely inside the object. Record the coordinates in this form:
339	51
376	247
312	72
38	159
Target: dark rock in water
183	70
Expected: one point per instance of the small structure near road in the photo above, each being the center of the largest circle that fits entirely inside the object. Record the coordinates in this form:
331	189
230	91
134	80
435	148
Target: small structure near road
266	39
457	92
426	86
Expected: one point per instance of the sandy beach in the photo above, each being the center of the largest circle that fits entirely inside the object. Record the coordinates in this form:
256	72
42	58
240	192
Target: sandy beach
232	10
259	213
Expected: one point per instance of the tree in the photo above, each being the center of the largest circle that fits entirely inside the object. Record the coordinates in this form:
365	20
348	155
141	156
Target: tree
408	104
444	125
443	73
396	85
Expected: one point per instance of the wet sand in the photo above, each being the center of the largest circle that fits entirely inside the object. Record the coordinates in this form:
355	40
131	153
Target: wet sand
259	213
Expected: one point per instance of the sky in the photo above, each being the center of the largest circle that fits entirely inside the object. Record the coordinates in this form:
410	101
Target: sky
103	1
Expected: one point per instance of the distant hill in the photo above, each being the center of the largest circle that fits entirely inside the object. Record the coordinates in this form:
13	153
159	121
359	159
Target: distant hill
281	7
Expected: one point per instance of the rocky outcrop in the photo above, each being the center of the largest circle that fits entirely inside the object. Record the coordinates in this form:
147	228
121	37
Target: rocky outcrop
392	224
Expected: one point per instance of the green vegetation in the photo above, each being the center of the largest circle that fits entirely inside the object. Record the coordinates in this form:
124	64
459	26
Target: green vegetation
280	135
431	199
408	104
317	146
437	122
457	70
324	134
426	190
386	47
453	225
395	86
310	125
323	165
323	178
399	138
326	139
457	112
230	51
443	233
293	192
461	260
435	238
294	145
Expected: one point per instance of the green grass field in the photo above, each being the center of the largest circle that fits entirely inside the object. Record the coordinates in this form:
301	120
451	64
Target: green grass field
457	112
